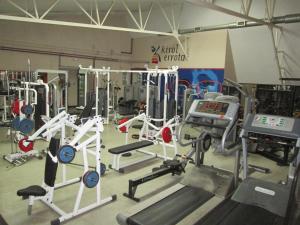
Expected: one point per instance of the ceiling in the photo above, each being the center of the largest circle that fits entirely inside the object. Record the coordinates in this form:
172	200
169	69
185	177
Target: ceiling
69	6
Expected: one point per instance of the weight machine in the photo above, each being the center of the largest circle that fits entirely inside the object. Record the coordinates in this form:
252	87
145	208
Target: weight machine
154	130
58	90
102	96
26	143
61	151
149	134
5	93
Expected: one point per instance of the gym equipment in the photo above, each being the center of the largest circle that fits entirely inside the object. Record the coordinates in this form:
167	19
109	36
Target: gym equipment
15	107
102	169
89	178
123	128
66	154
175	166
15	123
46	131
203	187
148	135
166	134
275	99
258	201
25	145
26	126
102	96
56	98
156	128
27	109
2	221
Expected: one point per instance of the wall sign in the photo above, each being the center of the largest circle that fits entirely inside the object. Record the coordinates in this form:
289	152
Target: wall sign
166	53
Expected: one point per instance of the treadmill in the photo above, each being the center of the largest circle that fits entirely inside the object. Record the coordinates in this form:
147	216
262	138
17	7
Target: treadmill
203	187
258	202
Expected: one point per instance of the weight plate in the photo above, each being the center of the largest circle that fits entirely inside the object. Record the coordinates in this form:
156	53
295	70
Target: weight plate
90	179
27	109
166	135
123	129
66	154
15	123
102	169
15	107
26	126
25	145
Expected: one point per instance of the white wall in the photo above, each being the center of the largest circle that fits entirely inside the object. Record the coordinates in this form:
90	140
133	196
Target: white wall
105	45
253	56
205	50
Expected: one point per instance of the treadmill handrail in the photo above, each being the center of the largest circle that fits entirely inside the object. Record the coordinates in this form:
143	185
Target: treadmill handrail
194	140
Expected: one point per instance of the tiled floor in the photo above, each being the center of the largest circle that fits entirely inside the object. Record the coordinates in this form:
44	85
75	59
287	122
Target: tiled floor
14	210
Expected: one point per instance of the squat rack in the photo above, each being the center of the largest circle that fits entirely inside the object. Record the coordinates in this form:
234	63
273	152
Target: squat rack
150	72
97	72
65	73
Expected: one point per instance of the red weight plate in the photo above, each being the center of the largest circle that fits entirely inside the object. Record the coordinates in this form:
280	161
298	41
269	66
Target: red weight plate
25	148
123	128
166	135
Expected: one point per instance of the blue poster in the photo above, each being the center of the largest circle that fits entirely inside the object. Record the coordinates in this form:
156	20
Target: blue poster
201	80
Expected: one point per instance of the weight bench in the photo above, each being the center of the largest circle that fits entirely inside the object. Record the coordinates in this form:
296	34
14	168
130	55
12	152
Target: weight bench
137	126
86	112
2	221
36	192
118	151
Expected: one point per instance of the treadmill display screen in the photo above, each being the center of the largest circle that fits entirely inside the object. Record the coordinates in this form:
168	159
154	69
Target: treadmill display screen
211	107
273	122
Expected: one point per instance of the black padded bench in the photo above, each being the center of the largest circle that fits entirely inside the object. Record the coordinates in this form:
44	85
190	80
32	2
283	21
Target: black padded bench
2	221
6	93
137	126
130	147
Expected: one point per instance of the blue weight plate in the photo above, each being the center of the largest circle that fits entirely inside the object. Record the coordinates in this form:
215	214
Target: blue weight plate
15	123
27	109
26	126
66	154
102	168
90	179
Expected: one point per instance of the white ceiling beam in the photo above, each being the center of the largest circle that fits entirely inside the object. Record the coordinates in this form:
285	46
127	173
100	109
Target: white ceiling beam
280	72
97	11
20	8
108	11
148	15
130	13
179	16
35	9
84	25
270	8
85	12
140	14
228	11
246	6
165	15
173	16
49	9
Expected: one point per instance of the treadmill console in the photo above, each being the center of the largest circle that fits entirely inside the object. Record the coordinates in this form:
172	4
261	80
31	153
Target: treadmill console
273	122
212	109
218	108
280	126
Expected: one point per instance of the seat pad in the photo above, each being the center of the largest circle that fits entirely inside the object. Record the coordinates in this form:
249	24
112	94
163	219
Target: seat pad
34	190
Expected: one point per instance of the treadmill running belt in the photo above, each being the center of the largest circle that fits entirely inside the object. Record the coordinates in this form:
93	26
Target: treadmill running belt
234	213
171	209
